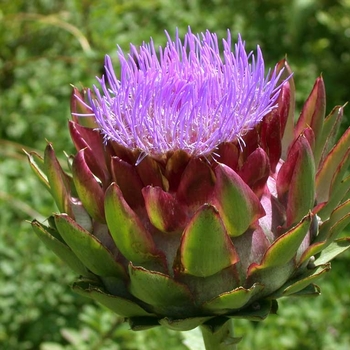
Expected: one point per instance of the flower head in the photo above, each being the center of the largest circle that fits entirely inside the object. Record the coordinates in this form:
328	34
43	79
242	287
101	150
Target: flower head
183	239
185	96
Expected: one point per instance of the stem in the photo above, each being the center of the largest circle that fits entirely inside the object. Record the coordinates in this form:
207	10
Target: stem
108	335
219	337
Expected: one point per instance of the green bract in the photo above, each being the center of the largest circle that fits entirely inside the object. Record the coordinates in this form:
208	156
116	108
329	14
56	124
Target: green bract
180	240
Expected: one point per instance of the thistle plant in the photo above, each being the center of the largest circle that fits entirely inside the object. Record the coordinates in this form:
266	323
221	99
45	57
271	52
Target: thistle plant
194	197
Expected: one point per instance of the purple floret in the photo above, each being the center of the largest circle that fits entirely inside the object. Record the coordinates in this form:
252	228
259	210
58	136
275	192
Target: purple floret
184	96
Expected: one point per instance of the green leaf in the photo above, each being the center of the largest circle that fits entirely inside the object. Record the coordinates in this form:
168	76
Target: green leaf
285	247
129	234
288	134
88	248
88	188
168	296
329	167
328	234
338	220
205	246
305	280
313	113
36	162
59	248
232	300
301	194
121	306
312	290
295	181
335	248
237	204
330	131
60	183
340	193
312	250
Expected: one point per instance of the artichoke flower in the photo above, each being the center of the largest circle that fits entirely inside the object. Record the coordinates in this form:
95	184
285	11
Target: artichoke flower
194	196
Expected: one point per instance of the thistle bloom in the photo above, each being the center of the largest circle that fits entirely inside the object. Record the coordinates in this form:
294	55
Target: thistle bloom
193	197
190	98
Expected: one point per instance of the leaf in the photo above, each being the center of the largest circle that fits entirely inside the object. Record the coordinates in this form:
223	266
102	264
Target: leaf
313	113
285	247
36	162
120	305
60	183
330	166
295	181
237	204
166	295
88	248
89	189
335	248
129	234
233	300
305	280
205	247
59	248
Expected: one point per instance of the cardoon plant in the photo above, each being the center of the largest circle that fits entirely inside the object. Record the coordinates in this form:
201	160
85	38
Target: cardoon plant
194	197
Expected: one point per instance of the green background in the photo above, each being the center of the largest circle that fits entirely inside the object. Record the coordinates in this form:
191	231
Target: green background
47	45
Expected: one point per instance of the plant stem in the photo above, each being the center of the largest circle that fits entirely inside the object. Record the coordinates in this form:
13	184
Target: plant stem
219	338
109	334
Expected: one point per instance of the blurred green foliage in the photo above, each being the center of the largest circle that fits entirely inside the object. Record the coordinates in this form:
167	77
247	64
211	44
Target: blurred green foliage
47	45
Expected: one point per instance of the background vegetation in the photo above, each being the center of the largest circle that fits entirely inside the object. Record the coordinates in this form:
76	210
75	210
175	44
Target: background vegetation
47	45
